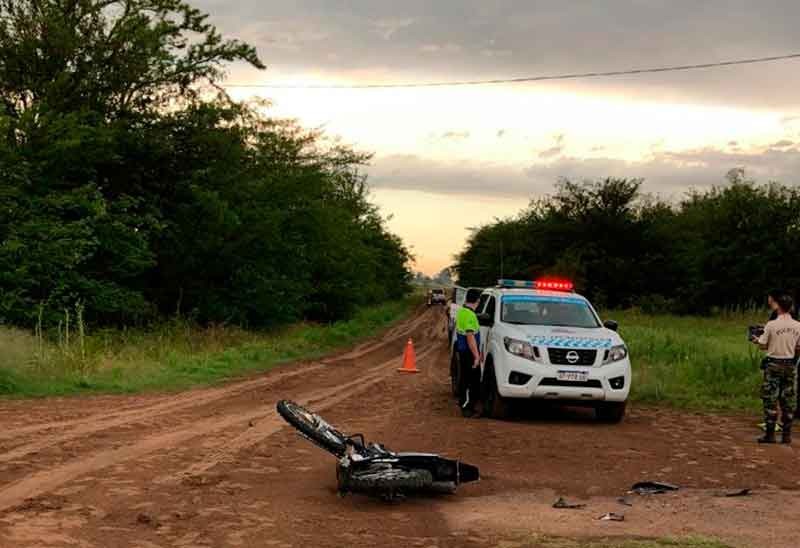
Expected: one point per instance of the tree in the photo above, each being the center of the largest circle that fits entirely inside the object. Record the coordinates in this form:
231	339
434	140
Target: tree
110	57
132	185
722	247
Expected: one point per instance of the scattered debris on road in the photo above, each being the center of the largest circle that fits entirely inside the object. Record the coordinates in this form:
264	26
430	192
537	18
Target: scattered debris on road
612	516
653	488
740	493
562	504
625	501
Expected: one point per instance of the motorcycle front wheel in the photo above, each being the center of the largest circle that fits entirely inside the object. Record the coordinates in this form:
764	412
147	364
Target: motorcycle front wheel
313	427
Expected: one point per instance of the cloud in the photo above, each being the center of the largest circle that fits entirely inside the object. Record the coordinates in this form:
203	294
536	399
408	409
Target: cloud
455	135
669	174
486	40
440	48
387	28
410	172
555	150
490	52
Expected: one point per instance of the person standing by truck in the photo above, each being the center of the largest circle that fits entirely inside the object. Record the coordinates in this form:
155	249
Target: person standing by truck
457	297
469	357
780	339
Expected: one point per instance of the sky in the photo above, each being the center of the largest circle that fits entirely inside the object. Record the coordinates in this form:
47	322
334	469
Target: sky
452	158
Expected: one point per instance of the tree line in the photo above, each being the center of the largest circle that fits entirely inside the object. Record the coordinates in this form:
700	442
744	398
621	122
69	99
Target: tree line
132	184
722	247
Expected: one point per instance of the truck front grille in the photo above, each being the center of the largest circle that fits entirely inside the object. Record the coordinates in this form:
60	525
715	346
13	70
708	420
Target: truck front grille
559	356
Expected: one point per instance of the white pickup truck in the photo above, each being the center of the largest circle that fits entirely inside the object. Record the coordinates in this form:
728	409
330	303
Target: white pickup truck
541	340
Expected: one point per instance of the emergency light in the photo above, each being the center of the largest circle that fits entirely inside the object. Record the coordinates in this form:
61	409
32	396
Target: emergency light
543	284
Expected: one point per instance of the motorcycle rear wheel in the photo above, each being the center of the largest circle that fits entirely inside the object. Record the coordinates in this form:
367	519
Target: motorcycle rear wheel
386	482
313	427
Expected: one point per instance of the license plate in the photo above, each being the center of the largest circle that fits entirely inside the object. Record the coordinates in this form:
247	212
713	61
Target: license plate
573	376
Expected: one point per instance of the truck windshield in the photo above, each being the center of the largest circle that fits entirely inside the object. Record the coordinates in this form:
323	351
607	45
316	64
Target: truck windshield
553	311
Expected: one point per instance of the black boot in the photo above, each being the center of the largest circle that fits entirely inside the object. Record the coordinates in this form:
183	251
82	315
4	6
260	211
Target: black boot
769	437
786	435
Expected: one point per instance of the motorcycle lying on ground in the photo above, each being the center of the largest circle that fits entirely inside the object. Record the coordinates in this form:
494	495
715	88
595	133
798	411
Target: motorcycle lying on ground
374	470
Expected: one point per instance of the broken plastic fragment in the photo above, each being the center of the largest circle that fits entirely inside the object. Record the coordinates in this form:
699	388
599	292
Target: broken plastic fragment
653	488
561	503
612	516
740	493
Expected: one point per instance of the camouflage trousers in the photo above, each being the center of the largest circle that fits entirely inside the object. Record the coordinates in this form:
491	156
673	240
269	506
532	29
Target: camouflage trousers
779	388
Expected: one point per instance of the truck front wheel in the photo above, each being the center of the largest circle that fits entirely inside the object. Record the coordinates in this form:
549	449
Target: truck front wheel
495	405
611	412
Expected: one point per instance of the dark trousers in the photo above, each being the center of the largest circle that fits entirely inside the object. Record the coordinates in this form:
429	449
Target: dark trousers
470	389
779	389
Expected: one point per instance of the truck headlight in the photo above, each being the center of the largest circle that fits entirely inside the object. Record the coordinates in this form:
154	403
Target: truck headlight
616	354
521	348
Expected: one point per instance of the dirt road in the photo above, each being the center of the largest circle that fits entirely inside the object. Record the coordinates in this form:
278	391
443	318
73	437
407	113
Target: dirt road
218	467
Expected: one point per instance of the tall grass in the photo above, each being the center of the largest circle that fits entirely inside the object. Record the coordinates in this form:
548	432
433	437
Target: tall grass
693	362
173	356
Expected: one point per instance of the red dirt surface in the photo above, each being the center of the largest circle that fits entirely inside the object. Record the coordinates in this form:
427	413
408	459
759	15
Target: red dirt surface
218	467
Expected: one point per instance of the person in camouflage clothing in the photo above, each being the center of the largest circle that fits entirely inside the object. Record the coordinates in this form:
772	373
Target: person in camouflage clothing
780	339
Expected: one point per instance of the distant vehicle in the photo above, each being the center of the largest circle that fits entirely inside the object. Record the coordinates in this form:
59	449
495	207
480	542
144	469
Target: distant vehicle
543	341
436	296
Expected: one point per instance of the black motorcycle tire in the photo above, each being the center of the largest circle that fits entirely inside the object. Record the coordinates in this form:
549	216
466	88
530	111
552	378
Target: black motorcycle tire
389	481
313	427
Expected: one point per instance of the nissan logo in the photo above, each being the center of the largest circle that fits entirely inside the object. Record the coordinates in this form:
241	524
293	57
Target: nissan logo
573	357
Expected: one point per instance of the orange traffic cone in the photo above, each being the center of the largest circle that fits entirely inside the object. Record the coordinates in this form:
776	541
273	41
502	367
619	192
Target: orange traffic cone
409	359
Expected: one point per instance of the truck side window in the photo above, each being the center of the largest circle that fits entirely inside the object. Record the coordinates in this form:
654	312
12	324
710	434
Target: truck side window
490	306
481	304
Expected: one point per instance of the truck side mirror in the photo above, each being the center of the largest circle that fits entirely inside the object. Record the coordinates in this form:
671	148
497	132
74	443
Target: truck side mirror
612	325
485	320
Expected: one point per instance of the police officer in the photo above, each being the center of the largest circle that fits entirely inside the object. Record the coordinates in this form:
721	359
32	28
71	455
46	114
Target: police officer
780	339
469	358
796	316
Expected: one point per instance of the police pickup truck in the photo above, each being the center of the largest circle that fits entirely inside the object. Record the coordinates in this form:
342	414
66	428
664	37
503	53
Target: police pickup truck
540	340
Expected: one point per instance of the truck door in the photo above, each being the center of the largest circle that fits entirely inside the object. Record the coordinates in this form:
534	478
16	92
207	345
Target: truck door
486	332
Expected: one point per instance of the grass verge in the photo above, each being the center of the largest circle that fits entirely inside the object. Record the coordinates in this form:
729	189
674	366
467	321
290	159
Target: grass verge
173	356
702	363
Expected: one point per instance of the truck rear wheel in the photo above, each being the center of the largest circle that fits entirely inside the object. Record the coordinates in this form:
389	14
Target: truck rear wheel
455	374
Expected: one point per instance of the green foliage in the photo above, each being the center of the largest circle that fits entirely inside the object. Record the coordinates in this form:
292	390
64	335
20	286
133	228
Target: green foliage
173	355
721	248
129	184
692	362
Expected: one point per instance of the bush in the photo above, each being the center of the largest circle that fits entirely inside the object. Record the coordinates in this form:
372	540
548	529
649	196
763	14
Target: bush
722	248
135	188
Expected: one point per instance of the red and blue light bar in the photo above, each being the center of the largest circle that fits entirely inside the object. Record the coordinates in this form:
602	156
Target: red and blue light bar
544	284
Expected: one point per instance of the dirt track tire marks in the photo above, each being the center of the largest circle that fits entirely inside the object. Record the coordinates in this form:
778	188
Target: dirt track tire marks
74	429
47	480
320	401
94	424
